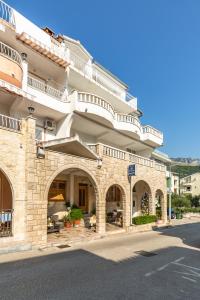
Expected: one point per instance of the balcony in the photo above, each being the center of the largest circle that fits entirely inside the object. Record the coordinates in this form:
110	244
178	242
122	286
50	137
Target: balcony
10	65
6	13
153	136
10	123
107	151
10	53
92	72
128	123
93	104
45	88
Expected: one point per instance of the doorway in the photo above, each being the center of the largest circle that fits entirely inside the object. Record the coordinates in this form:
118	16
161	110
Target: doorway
83	197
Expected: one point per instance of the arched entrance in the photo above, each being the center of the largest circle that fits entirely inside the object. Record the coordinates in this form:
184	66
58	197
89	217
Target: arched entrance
114	207
159	203
71	188
141	198
5	206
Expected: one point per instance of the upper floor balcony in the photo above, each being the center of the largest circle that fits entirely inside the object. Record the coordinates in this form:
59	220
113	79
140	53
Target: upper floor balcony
152	135
7	14
10	65
100	110
102	79
45	88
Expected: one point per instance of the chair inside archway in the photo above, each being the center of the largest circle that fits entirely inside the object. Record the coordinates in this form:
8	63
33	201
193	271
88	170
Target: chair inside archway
114	208
71	189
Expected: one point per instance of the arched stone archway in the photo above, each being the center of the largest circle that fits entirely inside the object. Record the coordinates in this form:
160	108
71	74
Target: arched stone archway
6	205
141	199
72	187
159	204
115	204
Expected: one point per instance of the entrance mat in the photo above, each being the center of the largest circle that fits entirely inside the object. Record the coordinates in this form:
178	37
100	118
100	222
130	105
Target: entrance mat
63	246
145	253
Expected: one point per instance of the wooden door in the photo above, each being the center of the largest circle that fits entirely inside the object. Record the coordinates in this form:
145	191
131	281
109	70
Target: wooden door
83	197
5	193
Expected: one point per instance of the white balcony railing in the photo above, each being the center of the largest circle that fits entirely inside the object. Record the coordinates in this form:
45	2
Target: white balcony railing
93	99
151	130
45	88
90	70
141	160
10	53
10	123
6	13
123	155
119	117
128	119
112	152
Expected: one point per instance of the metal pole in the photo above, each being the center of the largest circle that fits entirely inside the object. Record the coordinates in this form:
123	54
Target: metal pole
170	194
131	204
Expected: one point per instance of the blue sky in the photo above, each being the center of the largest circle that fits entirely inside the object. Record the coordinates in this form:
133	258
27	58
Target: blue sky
152	45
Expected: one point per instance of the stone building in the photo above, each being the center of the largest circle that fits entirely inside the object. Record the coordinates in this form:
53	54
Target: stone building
68	132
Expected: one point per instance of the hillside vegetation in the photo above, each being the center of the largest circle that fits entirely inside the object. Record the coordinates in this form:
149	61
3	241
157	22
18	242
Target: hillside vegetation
185	170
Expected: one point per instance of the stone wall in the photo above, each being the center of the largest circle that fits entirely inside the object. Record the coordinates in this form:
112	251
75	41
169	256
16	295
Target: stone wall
31	178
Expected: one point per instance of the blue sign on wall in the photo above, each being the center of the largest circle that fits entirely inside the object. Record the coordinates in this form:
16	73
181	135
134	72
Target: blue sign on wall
131	170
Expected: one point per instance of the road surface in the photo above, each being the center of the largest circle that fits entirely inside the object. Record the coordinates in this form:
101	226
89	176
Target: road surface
156	265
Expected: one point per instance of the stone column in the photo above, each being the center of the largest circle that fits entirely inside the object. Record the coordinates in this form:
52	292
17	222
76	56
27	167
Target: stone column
100	214
36	205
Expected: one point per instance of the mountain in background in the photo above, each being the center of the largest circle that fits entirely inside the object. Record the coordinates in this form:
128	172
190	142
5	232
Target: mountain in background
187	161
185	166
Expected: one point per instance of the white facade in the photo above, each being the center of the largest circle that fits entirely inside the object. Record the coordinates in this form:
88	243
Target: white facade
191	184
64	85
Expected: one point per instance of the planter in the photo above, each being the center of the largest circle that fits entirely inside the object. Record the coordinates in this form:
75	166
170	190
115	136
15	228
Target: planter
67	224
179	216
159	222
76	223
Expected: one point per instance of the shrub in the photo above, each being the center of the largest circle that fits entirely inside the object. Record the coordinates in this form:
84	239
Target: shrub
144	219
180	201
188	209
76	214
195	201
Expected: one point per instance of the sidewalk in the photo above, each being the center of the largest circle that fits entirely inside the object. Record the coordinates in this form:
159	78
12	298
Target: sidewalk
119	240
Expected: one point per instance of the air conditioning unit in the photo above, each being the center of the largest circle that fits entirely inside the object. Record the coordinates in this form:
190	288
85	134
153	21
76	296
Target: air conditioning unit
49	124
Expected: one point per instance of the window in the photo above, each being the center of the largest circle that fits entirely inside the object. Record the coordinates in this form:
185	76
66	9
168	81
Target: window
39	133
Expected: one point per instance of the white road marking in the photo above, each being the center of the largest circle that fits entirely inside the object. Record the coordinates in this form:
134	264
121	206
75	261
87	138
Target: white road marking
190	279
163	267
149	274
190	267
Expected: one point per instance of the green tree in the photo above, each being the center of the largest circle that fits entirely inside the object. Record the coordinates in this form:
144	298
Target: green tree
180	201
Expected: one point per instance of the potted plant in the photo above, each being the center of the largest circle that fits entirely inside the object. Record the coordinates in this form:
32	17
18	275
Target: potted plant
76	216
67	221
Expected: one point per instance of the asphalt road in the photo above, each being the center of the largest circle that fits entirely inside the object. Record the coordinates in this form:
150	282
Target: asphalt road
111	269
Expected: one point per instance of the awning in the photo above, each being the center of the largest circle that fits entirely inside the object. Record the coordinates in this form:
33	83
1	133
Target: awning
71	145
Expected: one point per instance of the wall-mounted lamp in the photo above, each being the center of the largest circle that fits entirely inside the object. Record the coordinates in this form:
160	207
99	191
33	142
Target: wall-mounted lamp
24	56
99	163
40	152
31	110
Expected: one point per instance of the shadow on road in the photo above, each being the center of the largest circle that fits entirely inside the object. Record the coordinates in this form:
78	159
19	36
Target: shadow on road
82	275
188	233
169	273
